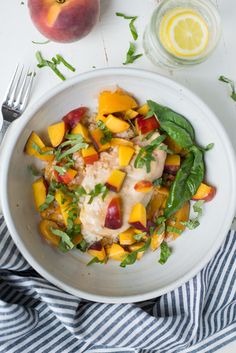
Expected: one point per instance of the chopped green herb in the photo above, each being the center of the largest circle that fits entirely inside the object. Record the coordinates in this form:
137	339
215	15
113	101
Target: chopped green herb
45	42
145	157
132	27
161	229
60	59
95	260
98	189
173	229
232	85
82	246
64	237
46	204
157	182
194	223
166	149
34	171
39	150
209	146
165	253
107	133
149	115
160	220
60	170
130	57
139	236
132	257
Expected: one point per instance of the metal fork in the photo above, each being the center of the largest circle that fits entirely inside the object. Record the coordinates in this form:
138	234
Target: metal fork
17	97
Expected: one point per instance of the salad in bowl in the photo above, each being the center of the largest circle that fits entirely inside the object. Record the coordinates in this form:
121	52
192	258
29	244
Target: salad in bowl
119	182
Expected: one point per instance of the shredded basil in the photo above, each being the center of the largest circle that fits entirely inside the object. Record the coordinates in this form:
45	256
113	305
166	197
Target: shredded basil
165	253
132	27
98	189
132	257
232	86
194	223
107	133
131	56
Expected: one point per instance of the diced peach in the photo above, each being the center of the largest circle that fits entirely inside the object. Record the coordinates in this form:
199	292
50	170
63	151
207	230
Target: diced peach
205	192
156	238
137	246
115	180
182	215
127	237
172	145
97	250
56	133
130	114
82	130
157	202
39	192
113	102
138	217
145	125
114	217
143	186
172	163
101	117
125	154
52	213
97	135
115	141
89	155
143	110
45	227
67	177
64	203
116	125
77	239
75	116
34	139
116	252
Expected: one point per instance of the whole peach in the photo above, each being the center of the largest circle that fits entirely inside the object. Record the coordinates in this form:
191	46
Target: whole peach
64	20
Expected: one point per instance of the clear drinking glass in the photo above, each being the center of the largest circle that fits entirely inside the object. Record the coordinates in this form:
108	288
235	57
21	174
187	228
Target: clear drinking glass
153	46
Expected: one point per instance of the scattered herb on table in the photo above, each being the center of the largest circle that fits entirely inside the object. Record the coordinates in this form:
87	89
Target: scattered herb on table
99	189
194	223
132	27
232	86
131	56
132	257
44	42
107	133
165	253
53	64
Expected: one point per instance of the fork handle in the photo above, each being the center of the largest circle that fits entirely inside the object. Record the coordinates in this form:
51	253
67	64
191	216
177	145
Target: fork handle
4	128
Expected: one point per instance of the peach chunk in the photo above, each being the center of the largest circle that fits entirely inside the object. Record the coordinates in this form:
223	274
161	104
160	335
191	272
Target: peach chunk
67	177
82	130
143	186
157	237
116	252
205	192
113	218
172	164
97	135
127	237
182	215
157	202
137	246
145	125
125	154
89	155
33	143
115	180
116	125
56	133
173	145
101	117
130	114
116	141
64	20
64	203
45	227
39	192
97	250
113	102
143	110
75	116
138	217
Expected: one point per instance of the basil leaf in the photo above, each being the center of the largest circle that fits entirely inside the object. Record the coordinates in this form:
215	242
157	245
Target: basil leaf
64	237
165	253
194	223
95	260
72	150
186	183
82	246
132	257
166	114
173	229
60	59
177	133
46	204
120	14
107	133
39	150
209	147
133	29
130	57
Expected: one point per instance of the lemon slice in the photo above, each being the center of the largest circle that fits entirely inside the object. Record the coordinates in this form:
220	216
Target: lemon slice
187	34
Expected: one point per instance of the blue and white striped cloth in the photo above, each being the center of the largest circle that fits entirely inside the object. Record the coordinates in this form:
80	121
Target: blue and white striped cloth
37	317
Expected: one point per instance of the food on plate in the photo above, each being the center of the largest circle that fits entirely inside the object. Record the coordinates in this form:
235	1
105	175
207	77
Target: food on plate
119	182
64	20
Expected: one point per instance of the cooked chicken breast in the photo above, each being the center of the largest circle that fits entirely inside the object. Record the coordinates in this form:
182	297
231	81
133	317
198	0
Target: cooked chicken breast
93	215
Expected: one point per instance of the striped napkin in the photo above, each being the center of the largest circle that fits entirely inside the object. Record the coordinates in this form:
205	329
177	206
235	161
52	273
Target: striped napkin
37	317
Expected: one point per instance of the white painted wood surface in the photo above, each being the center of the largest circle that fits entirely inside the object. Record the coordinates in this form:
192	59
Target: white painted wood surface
106	46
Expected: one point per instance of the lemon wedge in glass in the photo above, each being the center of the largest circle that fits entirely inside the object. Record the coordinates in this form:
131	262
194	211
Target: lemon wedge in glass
184	33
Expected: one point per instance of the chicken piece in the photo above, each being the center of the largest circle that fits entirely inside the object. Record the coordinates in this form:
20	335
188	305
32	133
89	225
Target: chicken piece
93	215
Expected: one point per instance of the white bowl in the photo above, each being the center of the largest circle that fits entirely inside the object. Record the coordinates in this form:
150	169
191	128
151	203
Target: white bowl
145	279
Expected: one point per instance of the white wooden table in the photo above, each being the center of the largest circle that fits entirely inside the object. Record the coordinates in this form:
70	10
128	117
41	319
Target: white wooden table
106	46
